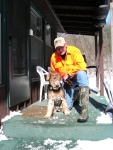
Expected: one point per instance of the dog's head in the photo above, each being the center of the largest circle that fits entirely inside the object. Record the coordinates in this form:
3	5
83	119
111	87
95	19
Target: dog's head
54	79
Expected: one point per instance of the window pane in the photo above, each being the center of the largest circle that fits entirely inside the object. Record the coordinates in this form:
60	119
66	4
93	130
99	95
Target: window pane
47	34
19	39
36	24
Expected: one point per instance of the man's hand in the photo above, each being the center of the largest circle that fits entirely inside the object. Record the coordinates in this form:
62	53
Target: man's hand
65	77
67	80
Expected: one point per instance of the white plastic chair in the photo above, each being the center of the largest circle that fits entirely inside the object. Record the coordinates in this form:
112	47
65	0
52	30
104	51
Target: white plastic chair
43	83
49	70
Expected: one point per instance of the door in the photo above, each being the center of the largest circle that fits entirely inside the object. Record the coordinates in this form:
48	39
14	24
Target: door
19	85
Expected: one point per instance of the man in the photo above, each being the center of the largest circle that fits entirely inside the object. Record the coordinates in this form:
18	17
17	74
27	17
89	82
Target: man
69	62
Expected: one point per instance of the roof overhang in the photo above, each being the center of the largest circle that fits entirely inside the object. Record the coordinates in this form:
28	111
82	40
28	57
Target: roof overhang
47	11
83	17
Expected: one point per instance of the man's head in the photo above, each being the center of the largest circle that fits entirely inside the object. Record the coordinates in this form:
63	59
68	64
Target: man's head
60	45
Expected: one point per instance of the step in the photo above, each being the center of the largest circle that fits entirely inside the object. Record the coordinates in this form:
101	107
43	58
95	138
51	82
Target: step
32	129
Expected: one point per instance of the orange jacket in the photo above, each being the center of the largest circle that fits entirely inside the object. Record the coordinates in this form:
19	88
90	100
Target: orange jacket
72	63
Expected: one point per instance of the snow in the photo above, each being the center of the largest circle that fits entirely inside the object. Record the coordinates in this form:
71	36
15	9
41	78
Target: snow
12	114
93	145
104	119
57	144
79	144
2	136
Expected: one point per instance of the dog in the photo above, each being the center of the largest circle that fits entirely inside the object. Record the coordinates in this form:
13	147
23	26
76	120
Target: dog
56	96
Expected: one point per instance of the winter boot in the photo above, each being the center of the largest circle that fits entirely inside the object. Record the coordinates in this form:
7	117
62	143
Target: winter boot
76	97
84	98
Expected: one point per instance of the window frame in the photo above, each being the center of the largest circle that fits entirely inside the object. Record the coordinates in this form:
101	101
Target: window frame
35	13
47	37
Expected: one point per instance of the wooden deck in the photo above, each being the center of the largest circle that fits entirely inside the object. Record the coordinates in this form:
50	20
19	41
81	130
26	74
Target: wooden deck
31	130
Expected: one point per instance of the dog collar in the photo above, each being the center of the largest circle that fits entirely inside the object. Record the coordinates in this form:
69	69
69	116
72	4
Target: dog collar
51	88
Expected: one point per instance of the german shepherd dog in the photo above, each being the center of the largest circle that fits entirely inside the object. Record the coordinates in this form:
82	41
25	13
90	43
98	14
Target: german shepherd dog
56	97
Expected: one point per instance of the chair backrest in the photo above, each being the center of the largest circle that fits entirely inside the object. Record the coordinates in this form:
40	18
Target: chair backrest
49	70
42	72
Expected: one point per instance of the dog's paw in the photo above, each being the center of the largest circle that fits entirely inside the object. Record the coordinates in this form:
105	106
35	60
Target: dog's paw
67	112
47	117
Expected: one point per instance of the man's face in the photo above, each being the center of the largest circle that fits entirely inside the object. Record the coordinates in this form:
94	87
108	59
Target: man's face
61	50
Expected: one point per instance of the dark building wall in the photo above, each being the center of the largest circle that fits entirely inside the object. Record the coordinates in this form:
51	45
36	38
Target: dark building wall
3	105
3	59
40	54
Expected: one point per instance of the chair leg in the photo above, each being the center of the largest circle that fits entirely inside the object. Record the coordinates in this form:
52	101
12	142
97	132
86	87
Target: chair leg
41	90
46	86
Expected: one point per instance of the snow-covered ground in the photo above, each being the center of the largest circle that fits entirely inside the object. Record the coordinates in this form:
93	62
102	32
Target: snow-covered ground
106	144
12	114
80	144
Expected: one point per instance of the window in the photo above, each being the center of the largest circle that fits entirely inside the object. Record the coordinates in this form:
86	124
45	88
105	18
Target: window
19	39
47	33
36	24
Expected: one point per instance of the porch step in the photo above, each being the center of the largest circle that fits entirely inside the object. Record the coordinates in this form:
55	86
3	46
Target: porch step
95	90
28	130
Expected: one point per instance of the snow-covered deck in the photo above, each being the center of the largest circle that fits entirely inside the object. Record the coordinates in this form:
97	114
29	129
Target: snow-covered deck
30	130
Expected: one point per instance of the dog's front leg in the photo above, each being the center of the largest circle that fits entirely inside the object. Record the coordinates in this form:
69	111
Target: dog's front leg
50	109
65	108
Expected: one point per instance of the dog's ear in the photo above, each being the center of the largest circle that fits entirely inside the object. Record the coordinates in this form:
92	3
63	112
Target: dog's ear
48	76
